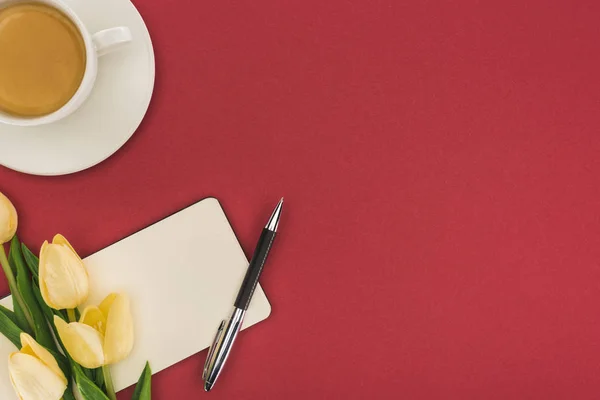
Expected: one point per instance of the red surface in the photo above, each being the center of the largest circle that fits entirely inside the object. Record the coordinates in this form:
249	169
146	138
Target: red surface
440	162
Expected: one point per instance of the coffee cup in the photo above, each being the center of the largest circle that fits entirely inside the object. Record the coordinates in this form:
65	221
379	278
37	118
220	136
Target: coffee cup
32	71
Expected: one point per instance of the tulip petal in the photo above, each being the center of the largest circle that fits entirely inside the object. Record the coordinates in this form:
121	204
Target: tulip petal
43	288
61	240
107	303
63	278
118	341
93	317
82	342
33	380
30	346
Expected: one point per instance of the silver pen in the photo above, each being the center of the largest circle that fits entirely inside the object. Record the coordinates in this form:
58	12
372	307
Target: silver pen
229	328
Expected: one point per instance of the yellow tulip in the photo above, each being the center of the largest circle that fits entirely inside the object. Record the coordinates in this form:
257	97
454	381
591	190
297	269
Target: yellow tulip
34	373
8	219
103	335
64	280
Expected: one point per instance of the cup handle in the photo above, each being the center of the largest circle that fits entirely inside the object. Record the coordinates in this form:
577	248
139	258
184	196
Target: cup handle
111	39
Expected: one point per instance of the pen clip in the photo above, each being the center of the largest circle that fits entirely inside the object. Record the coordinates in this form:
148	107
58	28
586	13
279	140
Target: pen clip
212	349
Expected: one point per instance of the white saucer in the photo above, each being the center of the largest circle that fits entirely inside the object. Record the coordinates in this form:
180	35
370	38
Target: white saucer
110	115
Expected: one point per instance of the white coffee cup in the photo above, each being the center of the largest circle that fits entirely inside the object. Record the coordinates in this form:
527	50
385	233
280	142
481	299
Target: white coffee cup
96	45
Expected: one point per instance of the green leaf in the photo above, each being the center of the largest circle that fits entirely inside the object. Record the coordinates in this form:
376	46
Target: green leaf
10	259
40	326
63	363
20	316
89	373
40	301
9	329
19	313
49	315
10	314
87	388
99	377
31	260
15	255
68	395
143	389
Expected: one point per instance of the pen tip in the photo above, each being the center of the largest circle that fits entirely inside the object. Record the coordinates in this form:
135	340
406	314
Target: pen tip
274	220
207	387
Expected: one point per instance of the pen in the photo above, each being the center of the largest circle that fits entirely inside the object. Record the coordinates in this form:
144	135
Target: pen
229	328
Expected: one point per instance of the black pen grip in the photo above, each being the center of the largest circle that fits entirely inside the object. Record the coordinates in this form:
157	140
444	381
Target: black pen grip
254	269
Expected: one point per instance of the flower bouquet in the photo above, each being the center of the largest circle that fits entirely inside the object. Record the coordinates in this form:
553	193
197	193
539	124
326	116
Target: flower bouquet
61	352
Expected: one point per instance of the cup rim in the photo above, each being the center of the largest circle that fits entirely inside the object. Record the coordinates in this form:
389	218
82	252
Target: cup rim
89	75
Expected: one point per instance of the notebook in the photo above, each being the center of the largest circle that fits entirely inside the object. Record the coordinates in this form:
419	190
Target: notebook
182	275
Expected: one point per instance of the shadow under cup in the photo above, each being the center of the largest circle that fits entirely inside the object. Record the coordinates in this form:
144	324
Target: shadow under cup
43	59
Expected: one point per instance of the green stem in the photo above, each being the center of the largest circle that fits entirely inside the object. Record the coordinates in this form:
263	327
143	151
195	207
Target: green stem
110	389
12	284
71	315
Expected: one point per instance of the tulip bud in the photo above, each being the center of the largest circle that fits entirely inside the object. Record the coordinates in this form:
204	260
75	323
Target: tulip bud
34	372
8	219
64	280
103	335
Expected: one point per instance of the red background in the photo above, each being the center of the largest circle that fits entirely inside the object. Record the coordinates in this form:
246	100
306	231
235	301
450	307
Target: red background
440	162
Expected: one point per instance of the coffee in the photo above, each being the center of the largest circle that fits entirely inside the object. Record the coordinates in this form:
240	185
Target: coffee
42	59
